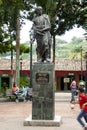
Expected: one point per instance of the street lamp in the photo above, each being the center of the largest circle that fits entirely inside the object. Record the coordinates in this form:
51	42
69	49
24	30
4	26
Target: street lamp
31	41
81	65
21	63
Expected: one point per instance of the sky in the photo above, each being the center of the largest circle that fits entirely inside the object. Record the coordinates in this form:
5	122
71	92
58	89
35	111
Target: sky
77	32
24	35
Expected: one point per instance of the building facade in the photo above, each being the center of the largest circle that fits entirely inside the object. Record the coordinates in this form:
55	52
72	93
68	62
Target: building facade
65	71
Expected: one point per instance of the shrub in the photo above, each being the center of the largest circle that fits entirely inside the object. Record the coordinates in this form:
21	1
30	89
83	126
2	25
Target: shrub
24	81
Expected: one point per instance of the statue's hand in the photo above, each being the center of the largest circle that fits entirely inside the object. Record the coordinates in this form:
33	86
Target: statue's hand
45	29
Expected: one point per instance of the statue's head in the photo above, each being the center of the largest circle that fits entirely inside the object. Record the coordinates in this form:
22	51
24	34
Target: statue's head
38	10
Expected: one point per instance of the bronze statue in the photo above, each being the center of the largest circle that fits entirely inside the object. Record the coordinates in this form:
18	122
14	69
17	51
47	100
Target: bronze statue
41	27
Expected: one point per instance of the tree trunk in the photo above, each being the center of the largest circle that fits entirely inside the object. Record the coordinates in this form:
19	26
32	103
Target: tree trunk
18	51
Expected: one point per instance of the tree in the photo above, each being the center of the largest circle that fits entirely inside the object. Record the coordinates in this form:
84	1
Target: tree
85	16
64	15
23	48
10	17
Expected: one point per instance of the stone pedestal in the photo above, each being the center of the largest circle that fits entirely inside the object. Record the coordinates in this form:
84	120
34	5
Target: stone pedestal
43	97
43	91
56	122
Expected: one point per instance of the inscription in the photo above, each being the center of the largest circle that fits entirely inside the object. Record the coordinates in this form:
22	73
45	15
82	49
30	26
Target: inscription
42	78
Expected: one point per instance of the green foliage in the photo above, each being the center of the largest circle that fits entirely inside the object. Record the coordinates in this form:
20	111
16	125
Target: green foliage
76	40
63	15
71	50
24	81
24	49
4	47
9	12
85	15
0	2
2	91
59	41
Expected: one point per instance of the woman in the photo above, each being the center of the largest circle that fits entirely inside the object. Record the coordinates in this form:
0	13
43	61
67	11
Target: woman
15	89
73	87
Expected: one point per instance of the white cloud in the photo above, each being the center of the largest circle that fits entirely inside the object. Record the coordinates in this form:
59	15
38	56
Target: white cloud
24	35
77	32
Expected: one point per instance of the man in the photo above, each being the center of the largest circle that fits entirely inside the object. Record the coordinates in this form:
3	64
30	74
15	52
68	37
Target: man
41	27
82	101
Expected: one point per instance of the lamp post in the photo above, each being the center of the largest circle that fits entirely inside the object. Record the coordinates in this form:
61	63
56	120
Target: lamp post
81	65
31	41
11	64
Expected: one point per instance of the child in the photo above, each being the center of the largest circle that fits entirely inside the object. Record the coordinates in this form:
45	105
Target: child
82	101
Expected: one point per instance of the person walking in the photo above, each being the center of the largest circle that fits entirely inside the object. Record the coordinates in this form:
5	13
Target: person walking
73	87
82	101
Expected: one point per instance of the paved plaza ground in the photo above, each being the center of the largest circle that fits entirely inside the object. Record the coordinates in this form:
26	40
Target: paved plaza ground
12	115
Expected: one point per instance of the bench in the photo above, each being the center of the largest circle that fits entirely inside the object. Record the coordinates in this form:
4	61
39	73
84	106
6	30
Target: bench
10	94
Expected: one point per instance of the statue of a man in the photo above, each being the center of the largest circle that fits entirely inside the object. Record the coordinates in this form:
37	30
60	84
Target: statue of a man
41	27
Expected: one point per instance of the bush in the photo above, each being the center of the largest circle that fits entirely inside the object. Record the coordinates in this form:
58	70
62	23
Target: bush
24	81
2	91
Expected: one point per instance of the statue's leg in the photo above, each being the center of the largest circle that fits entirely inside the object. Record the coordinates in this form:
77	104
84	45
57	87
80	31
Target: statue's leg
47	55
45	46
49	52
39	48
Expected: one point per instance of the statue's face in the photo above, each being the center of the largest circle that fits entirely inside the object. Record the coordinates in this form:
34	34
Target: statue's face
39	10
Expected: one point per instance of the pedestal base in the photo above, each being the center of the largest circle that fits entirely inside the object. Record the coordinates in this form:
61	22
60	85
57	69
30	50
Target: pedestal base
56	122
